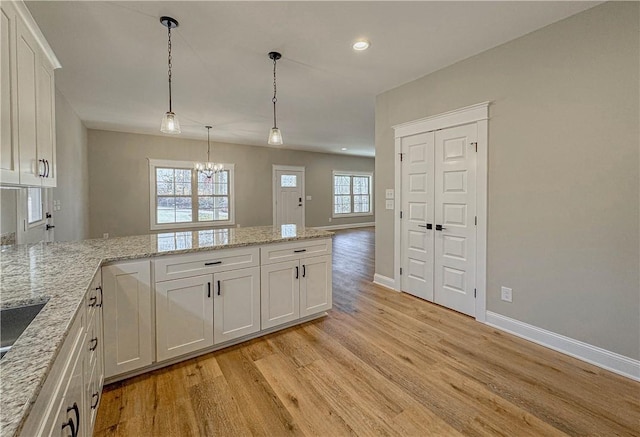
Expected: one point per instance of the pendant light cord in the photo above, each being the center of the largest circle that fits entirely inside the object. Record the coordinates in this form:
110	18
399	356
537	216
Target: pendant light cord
275	99
208	144
169	62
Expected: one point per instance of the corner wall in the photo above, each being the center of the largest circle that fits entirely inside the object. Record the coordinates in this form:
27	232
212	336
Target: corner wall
563	171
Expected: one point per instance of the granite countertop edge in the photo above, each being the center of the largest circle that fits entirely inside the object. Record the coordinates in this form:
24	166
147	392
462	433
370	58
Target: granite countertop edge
41	338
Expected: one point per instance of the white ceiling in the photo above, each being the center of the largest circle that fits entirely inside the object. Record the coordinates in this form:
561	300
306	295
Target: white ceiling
114	61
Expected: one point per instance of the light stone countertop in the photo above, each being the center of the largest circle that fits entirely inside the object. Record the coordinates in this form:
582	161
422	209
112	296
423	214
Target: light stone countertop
60	274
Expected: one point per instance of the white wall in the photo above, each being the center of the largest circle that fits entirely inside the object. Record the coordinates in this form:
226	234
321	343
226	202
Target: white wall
72	221
563	171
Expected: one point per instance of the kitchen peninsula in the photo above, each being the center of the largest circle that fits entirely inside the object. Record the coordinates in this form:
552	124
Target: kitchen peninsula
122	306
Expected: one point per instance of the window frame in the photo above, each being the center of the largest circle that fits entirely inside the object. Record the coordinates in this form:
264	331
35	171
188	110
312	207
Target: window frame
351	195
42	219
187	165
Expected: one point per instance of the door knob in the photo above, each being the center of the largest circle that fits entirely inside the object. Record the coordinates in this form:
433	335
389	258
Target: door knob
50	227
440	228
428	226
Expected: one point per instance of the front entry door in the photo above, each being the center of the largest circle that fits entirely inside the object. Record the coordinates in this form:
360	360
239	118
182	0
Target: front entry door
438	231
288	197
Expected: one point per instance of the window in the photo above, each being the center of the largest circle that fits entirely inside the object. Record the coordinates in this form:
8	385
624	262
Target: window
34	205
184	198
352	194
289	181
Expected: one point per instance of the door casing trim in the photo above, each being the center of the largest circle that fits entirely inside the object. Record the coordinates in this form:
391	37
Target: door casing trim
478	113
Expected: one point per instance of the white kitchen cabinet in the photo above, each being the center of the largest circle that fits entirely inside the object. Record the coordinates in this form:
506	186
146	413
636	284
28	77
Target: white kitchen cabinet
71	413
236	304
94	344
184	316
127	307
28	141
315	285
280	294
9	165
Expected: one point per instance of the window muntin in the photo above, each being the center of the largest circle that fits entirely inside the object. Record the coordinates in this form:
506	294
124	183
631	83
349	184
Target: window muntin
352	194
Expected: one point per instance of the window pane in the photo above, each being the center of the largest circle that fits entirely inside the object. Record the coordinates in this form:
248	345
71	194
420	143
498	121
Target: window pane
205	208
34	205
221	189
166	210
182	176
342	204
288	181
341	185
221	208
164	175
183	188
361	204
360	185
183	209
222	177
205	185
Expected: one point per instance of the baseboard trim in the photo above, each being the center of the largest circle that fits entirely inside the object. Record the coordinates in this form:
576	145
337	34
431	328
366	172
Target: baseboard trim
603	358
384	281
348	226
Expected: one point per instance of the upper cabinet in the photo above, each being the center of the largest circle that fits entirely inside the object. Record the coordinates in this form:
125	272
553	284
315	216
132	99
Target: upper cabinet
27	135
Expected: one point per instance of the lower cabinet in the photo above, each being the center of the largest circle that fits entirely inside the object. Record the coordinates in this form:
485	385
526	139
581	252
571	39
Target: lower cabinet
128	342
184	316
295	289
236	304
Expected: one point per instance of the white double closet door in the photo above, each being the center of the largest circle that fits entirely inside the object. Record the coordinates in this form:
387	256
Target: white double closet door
438	227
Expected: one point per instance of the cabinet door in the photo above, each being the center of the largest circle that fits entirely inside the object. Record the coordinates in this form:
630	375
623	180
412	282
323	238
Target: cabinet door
184	316
127	317
27	59
9	173
236	304
45	107
315	285
71	412
280	297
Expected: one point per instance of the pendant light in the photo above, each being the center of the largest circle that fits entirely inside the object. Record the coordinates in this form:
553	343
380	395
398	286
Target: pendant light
170	124
208	168
275	137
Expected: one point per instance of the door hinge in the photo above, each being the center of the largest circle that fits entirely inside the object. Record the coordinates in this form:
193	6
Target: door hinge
475	293
400	214
401	156
475	144
400	270
476	220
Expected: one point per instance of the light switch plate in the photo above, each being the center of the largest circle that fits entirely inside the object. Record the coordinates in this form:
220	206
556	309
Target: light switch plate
308	197
506	294
388	194
389	204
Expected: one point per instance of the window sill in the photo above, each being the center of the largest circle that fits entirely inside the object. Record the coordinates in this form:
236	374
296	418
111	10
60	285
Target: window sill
353	214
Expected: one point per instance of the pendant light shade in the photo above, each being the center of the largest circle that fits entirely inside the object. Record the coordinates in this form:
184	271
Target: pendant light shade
275	136
209	169
170	124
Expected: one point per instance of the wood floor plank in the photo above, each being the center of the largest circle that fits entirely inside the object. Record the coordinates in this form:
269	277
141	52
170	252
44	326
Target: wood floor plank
381	363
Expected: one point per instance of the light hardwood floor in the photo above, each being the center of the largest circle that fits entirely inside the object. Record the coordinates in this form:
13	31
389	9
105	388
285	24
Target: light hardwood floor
381	363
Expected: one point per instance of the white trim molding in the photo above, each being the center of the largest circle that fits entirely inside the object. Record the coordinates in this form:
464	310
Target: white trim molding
385	281
479	114
33	27
603	358
347	226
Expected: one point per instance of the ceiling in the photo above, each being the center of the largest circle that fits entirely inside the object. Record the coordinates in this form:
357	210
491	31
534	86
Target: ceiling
114	61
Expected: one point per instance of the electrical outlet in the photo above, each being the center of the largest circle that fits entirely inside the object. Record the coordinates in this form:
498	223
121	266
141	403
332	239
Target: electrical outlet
506	294
105	235
330	219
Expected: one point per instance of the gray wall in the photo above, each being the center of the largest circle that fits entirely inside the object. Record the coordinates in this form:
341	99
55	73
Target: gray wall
72	221
119	179
8	213
563	171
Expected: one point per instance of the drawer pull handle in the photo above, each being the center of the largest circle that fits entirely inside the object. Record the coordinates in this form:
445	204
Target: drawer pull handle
76	427
93	301
219	287
95	396
299	250
92	348
99	288
71	425
213	263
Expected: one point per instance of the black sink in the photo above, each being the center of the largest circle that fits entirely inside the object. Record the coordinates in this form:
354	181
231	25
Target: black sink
13	322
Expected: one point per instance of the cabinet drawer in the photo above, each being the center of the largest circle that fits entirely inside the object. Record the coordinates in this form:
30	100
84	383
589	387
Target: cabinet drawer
183	266
275	253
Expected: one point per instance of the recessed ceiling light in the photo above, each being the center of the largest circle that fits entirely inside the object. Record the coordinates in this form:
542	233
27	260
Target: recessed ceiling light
361	44
343	149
